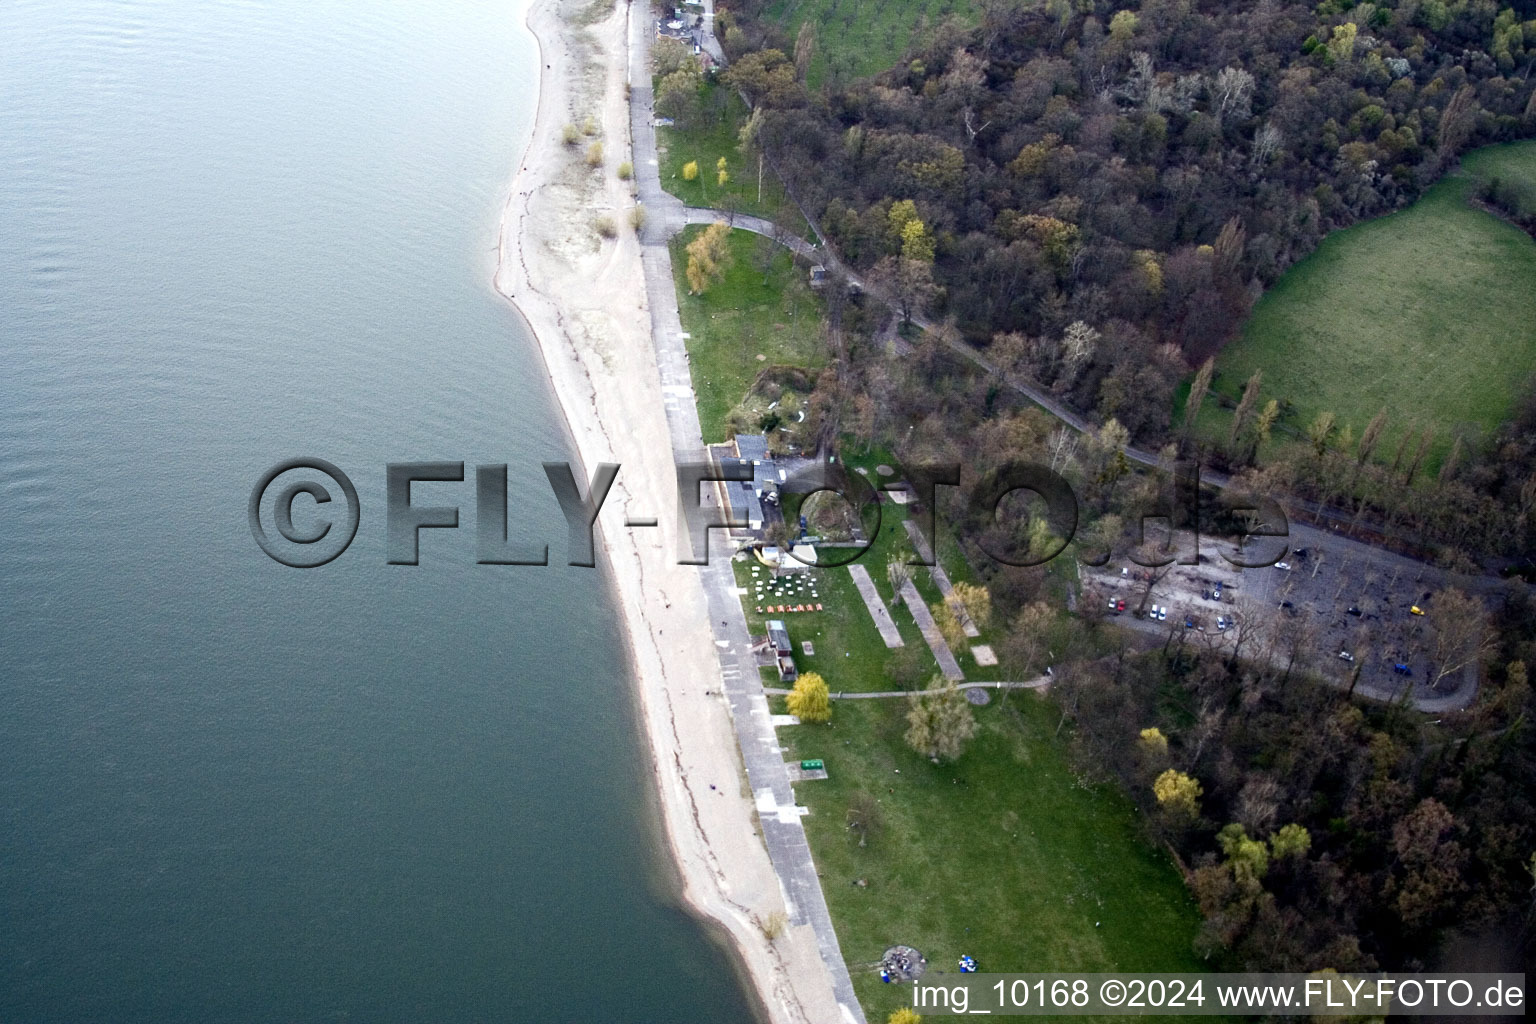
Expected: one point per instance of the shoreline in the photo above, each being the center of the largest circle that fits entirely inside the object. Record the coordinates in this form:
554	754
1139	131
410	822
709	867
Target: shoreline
584	302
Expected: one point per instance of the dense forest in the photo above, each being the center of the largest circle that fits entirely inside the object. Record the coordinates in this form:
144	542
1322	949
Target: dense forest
1096	194
1317	832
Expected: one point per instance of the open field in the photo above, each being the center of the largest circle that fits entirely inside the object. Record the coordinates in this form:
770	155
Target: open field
1429	312
761	308
1003	855
857	38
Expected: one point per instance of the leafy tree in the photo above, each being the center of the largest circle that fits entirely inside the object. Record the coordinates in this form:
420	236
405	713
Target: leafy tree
1291	840
709	256
1265	424
1154	742
1197	393
809	700
678	96
1320	432
908	283
1123	26
1341	47
975	601
1249	858
691	170
721	174
1245	405
1430	862
1179	794
948	620
669	55
940	722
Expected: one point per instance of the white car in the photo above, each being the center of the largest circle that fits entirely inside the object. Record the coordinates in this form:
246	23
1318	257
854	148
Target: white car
1221	623
1346	656
1162	613
1282	565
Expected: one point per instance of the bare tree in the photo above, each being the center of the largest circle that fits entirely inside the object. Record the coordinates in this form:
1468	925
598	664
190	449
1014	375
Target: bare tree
1461	636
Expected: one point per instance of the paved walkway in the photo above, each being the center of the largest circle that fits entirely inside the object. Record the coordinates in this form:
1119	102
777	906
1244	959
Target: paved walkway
877	609
930	630
1033	684
940	577
783	832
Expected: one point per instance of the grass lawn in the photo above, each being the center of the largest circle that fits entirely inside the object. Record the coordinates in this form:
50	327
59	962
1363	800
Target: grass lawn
858	38
850	654
1430	312
1002	855
1513	163
750	313
715	137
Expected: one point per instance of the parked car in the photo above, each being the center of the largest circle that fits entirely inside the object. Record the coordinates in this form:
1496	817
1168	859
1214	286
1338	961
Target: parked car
1120	605
1112	609
1282	565
1352	610
1162	613
1346	656
1402	670
1221	623
1415	610
1300	552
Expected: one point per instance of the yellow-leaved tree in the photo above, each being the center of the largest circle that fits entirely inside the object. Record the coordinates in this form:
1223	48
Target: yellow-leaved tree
809	701
905	1015
690	170
709	256
1179	794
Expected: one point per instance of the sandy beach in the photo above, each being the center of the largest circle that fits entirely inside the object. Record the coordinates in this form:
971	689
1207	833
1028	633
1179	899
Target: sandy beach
584	297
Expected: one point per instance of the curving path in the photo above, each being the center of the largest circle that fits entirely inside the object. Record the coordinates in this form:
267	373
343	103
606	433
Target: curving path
1033	684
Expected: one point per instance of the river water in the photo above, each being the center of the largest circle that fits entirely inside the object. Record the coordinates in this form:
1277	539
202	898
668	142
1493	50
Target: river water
230	234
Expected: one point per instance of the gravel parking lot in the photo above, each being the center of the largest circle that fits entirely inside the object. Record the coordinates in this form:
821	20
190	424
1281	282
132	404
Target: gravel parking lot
1322	605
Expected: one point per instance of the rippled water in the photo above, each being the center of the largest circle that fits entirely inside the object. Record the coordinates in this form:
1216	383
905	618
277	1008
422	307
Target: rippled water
232	233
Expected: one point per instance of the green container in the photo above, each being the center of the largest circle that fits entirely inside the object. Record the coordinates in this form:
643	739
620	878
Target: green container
814	764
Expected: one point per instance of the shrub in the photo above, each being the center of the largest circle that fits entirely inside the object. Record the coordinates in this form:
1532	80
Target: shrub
605	226
589	126
569	134
690	170
595	154
626	171
637	217
810	701
773	925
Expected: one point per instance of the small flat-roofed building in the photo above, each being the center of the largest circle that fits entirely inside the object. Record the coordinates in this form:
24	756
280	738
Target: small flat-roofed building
752	448
743	497
778	639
